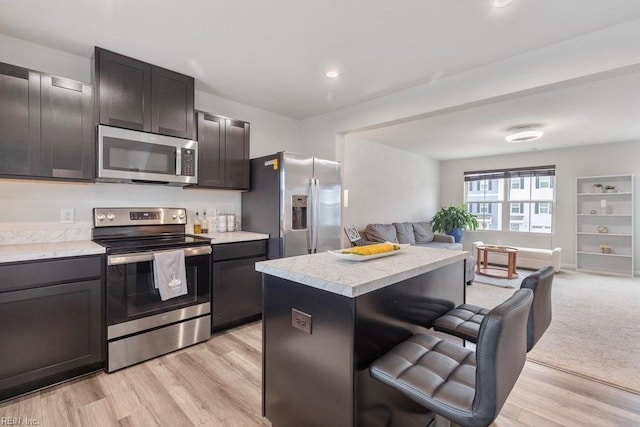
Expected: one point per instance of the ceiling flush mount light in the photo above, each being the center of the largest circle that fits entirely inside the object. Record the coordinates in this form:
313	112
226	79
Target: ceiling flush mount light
501	3
332	74
524	134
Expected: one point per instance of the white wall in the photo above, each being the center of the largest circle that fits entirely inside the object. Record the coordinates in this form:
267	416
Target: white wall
38	203
386	184
605	159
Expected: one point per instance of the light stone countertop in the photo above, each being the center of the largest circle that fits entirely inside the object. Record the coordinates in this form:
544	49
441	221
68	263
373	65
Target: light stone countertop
38	251
351	279
233	237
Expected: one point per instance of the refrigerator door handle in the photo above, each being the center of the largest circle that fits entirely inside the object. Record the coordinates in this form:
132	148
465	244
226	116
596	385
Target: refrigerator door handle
311	217
316	213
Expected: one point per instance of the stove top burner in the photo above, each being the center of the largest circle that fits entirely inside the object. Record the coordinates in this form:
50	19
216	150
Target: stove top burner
151	243
129	230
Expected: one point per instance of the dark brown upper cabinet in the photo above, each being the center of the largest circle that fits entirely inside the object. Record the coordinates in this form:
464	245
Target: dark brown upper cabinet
46	126
67	129
135	95
223	152
19	121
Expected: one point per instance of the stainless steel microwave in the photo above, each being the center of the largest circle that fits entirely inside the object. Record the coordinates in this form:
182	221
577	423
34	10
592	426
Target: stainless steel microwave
139	157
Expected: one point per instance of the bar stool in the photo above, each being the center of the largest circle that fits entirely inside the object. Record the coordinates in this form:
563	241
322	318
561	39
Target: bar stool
464	321
461	385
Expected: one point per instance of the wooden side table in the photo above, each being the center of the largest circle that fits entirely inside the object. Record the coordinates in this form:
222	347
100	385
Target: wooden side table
504	273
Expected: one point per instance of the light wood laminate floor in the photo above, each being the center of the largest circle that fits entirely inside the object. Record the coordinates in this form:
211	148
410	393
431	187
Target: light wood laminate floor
218	383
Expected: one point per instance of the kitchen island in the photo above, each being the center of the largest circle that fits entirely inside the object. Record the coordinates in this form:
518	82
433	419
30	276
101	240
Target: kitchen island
326	319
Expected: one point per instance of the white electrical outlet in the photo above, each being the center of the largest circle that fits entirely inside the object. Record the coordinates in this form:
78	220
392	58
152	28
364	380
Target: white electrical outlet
67	215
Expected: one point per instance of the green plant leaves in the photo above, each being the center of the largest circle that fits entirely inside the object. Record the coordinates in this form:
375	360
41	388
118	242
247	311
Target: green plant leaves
452	217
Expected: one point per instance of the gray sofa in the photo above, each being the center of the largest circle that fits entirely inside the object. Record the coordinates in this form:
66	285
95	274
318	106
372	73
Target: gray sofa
415	233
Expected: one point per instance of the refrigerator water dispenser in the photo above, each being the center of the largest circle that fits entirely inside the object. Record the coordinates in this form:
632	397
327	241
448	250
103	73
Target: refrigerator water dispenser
298	212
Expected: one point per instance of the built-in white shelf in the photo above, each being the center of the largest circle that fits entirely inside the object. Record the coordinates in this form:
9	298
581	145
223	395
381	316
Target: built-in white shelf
601	254
613	210
604	234
619	193
598	214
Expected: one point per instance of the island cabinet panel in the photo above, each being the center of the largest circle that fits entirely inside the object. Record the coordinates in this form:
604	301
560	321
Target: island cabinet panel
223	152
19	121
68	134
323	358
136	95
51	315
322	377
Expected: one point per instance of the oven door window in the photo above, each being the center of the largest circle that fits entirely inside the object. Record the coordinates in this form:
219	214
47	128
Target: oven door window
131	292
132	156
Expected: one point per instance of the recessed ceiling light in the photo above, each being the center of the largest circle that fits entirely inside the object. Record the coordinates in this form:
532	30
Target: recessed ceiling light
501	3
332	74
524	134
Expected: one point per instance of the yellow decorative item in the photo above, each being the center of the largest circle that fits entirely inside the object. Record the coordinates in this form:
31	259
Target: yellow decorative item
602	229
372	249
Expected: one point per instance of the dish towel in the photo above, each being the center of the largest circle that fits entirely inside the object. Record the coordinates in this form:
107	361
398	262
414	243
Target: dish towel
170	274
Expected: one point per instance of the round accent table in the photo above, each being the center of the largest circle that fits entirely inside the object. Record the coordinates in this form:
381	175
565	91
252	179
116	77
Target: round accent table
504	273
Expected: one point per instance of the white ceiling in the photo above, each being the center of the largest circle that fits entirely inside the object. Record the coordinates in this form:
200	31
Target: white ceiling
273	55
600	111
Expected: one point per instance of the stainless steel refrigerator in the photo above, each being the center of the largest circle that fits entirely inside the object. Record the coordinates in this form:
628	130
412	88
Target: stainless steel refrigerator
297	201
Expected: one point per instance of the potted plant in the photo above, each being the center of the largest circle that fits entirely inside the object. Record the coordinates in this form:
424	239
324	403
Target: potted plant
453	221
597	188
609	188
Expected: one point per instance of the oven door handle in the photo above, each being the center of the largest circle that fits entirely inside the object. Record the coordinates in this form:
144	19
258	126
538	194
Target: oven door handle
148	256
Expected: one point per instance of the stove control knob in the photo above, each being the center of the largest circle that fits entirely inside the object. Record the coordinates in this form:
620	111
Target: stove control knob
100	217
174	215
181	215
111	217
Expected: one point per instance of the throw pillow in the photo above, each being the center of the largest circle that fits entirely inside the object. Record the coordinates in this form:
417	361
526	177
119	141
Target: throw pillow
381	233
422	232
405	232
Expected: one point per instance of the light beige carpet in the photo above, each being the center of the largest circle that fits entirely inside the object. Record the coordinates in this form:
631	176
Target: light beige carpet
595	327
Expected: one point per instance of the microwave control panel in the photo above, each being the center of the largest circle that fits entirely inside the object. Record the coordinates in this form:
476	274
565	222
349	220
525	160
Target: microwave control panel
188	162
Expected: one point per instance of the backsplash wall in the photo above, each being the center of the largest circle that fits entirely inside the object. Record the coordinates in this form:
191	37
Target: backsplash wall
33	207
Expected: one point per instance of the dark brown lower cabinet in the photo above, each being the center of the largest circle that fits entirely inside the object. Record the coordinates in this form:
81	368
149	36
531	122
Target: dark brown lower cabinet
51	314
236	293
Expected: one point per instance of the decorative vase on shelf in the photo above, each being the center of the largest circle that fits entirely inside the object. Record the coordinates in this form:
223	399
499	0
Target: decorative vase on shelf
597	188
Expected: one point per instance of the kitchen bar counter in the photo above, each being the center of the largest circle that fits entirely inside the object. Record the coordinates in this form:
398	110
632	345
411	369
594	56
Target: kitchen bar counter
351	279
36	251
326	319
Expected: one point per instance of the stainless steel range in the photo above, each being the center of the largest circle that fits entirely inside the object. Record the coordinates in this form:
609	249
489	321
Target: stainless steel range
142	323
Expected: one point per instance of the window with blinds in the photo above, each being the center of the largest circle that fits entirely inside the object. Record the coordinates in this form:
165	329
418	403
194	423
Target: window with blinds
518	200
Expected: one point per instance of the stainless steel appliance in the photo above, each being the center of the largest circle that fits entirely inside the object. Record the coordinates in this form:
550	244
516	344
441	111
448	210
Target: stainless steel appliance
297	201
139	157
140	325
